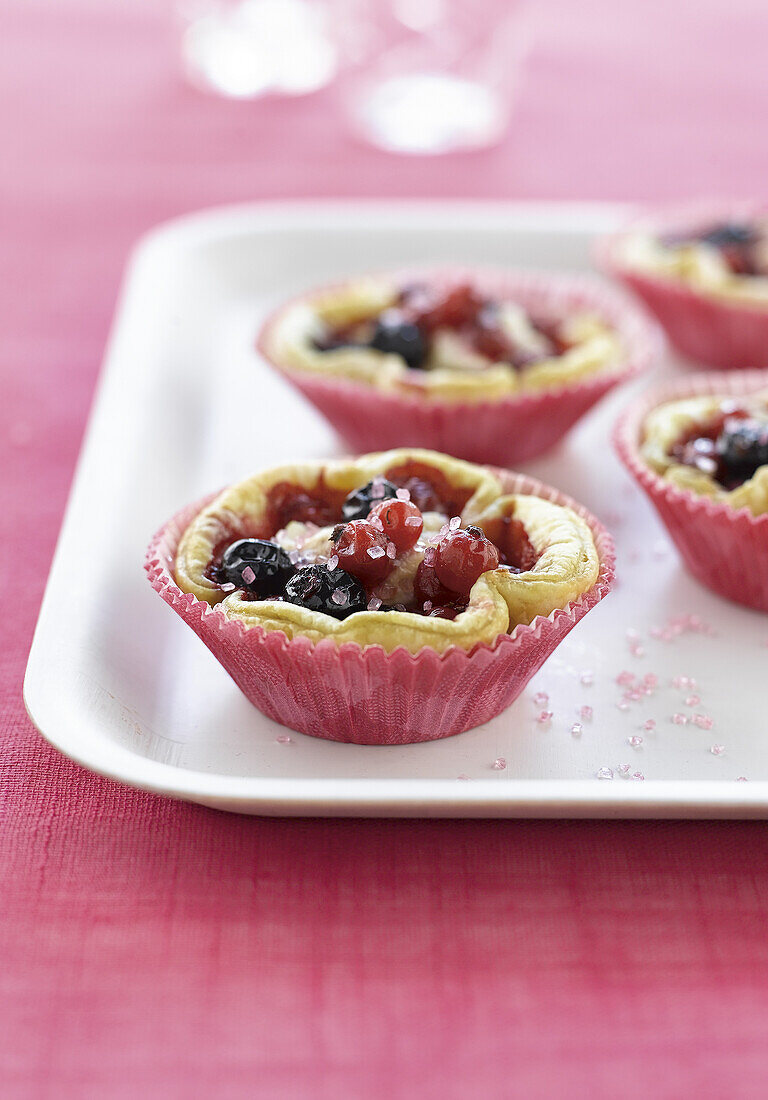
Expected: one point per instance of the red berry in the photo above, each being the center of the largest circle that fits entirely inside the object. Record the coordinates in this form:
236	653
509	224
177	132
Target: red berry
454	307
401	520
427	586
362	551
489	340
462	557
739	259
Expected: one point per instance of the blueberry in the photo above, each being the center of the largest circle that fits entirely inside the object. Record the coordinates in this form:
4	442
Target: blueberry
359	503
260	567
332	591
728	234
397	336
743	446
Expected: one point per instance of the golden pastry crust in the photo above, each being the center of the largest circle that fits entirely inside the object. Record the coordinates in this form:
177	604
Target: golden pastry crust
453	372
697	264
667	424
567	562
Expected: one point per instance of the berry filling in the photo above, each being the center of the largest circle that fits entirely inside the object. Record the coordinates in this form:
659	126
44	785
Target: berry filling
730	449
509	536
409	327
429	489
287	503
350	570
735	241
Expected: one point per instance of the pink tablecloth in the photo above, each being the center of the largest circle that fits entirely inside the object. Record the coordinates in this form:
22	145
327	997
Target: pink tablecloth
167	950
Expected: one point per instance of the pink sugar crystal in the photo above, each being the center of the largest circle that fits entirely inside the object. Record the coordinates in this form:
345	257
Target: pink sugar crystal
717	750
375	522
625	679
635	741
413	521
587	677
499	764
680	719
623	704
541	698
454	523
403	494
637	650
374	603
333	562
339	597
228	587
692	701
544	716
703	721
375	552
651	680
604	773
585	712
248	575
623	769
391	551
283	739
741	779
577	729
649	724
638	775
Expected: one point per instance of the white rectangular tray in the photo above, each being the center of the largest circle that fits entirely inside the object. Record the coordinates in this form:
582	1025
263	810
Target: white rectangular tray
185	406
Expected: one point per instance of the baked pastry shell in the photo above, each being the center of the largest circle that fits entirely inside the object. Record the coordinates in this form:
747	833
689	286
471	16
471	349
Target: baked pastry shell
362	694
724	333
726	549
505	431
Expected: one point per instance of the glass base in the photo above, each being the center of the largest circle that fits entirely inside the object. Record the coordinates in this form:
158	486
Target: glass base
429	113
255	47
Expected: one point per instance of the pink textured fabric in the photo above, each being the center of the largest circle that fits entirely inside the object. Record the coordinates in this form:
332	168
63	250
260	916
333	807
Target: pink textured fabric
152	948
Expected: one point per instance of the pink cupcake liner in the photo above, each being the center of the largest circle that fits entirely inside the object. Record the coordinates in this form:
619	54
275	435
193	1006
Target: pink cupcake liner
711	331
508	431
725	549
364	695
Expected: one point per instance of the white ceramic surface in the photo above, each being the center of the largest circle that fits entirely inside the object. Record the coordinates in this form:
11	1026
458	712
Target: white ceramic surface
117	682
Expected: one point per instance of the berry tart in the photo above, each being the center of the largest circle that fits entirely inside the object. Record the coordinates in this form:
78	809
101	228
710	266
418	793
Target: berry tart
700	451
704	274
397	597
489	366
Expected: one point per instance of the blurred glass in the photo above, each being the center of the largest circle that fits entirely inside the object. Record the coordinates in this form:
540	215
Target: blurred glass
435	75
250	48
